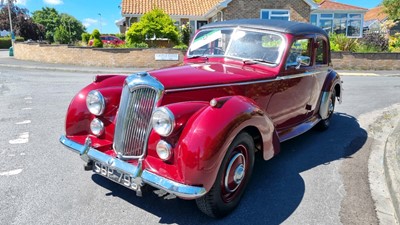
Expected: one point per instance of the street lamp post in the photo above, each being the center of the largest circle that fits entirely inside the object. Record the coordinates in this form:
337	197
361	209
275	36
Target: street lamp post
101	26
11	27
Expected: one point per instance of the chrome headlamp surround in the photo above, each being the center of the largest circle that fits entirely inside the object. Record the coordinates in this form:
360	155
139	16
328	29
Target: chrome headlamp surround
164	150
95	102
163	121
97	127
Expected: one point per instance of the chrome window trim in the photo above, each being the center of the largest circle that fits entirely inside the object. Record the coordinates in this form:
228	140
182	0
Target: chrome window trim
278	78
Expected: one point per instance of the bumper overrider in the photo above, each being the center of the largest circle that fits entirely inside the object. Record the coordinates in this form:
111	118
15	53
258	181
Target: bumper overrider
139	176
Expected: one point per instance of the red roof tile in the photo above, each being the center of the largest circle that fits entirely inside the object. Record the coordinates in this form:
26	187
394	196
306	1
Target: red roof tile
171	7
331	5
376	13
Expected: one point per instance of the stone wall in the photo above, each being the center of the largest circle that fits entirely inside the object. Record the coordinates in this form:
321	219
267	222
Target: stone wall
145	58
299	10
366	61
105	57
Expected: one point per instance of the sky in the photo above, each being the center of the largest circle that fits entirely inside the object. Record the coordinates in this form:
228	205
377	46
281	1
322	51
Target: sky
102	14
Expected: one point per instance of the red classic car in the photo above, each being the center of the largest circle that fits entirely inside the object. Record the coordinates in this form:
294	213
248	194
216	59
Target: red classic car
107	39
192	131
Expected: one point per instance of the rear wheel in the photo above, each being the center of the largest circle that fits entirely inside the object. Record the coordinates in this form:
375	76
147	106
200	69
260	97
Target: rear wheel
232	178
324	124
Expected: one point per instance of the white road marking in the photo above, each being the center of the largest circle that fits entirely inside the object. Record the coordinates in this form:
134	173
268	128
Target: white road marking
11	172
28	98
23	122
26	108
22	139
23	154
358	74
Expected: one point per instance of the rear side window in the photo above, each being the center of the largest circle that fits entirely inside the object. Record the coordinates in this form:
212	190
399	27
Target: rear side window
322	52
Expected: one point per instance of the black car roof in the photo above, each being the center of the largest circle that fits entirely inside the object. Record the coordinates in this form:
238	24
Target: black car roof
289	27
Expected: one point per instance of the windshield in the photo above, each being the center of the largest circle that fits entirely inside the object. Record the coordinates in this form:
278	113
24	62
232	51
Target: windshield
247	45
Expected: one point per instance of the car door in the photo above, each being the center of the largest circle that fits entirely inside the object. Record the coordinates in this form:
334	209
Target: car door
291	103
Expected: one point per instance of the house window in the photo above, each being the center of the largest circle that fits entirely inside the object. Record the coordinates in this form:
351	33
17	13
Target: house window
274	14
340	23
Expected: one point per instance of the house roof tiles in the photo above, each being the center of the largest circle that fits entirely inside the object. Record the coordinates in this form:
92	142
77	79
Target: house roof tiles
376	13
331	5
171	7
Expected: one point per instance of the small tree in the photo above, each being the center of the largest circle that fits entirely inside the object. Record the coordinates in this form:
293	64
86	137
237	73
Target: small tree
185	33
96	39
155	23
61	35
392	8
85	37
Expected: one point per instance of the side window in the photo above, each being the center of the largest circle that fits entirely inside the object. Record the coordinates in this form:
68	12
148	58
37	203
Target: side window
301	48
321	57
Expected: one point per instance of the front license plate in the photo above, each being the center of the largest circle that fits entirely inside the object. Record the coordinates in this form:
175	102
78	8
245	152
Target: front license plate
115	175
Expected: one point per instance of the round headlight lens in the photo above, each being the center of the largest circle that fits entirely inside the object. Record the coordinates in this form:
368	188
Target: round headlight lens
97	127
163	121
95	102
164	150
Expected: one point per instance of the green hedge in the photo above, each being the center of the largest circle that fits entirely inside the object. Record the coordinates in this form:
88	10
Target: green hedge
5	42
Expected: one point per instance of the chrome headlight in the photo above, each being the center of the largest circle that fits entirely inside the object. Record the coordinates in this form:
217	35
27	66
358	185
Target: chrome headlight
95	102
163	121
97	127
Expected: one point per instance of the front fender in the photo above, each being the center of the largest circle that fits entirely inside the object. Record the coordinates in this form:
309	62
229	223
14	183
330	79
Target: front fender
208	134
332	82
78	117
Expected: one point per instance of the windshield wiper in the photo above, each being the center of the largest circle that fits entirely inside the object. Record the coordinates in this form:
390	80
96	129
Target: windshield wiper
255	61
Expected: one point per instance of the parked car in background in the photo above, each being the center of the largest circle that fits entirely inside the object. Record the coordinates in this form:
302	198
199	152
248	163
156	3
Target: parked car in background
192	131
108	39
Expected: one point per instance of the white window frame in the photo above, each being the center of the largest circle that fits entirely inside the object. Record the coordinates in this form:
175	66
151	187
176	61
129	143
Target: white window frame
275	10
348	19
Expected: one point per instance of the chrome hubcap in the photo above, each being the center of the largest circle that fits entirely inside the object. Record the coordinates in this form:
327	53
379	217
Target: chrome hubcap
235	173
239	174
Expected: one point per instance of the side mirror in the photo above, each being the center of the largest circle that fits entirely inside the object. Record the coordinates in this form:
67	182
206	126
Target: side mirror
303	61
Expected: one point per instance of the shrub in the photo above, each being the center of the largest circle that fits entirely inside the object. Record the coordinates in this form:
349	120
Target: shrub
120	36
85	37
5	42
155	23
394	43
134	45
339	42
97	43
367	48
185	34
375	41
61	35
181	47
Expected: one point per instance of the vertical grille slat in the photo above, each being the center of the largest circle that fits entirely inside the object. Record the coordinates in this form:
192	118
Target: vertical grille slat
133	119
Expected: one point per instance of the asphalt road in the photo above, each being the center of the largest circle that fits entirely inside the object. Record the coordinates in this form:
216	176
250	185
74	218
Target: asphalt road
319	178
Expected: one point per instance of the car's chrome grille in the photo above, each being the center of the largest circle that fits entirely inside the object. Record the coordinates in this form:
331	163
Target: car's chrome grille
133	119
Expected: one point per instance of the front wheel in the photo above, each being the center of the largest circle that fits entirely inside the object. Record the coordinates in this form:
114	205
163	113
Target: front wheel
232	178
324	124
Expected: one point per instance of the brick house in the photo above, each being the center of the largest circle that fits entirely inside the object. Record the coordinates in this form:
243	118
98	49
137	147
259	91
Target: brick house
339	18
200	12
377	16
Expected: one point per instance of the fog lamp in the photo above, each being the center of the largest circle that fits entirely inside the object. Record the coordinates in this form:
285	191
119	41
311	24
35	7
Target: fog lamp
164	150
97	127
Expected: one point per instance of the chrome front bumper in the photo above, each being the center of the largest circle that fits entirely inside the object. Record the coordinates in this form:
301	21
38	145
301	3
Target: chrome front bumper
140	176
